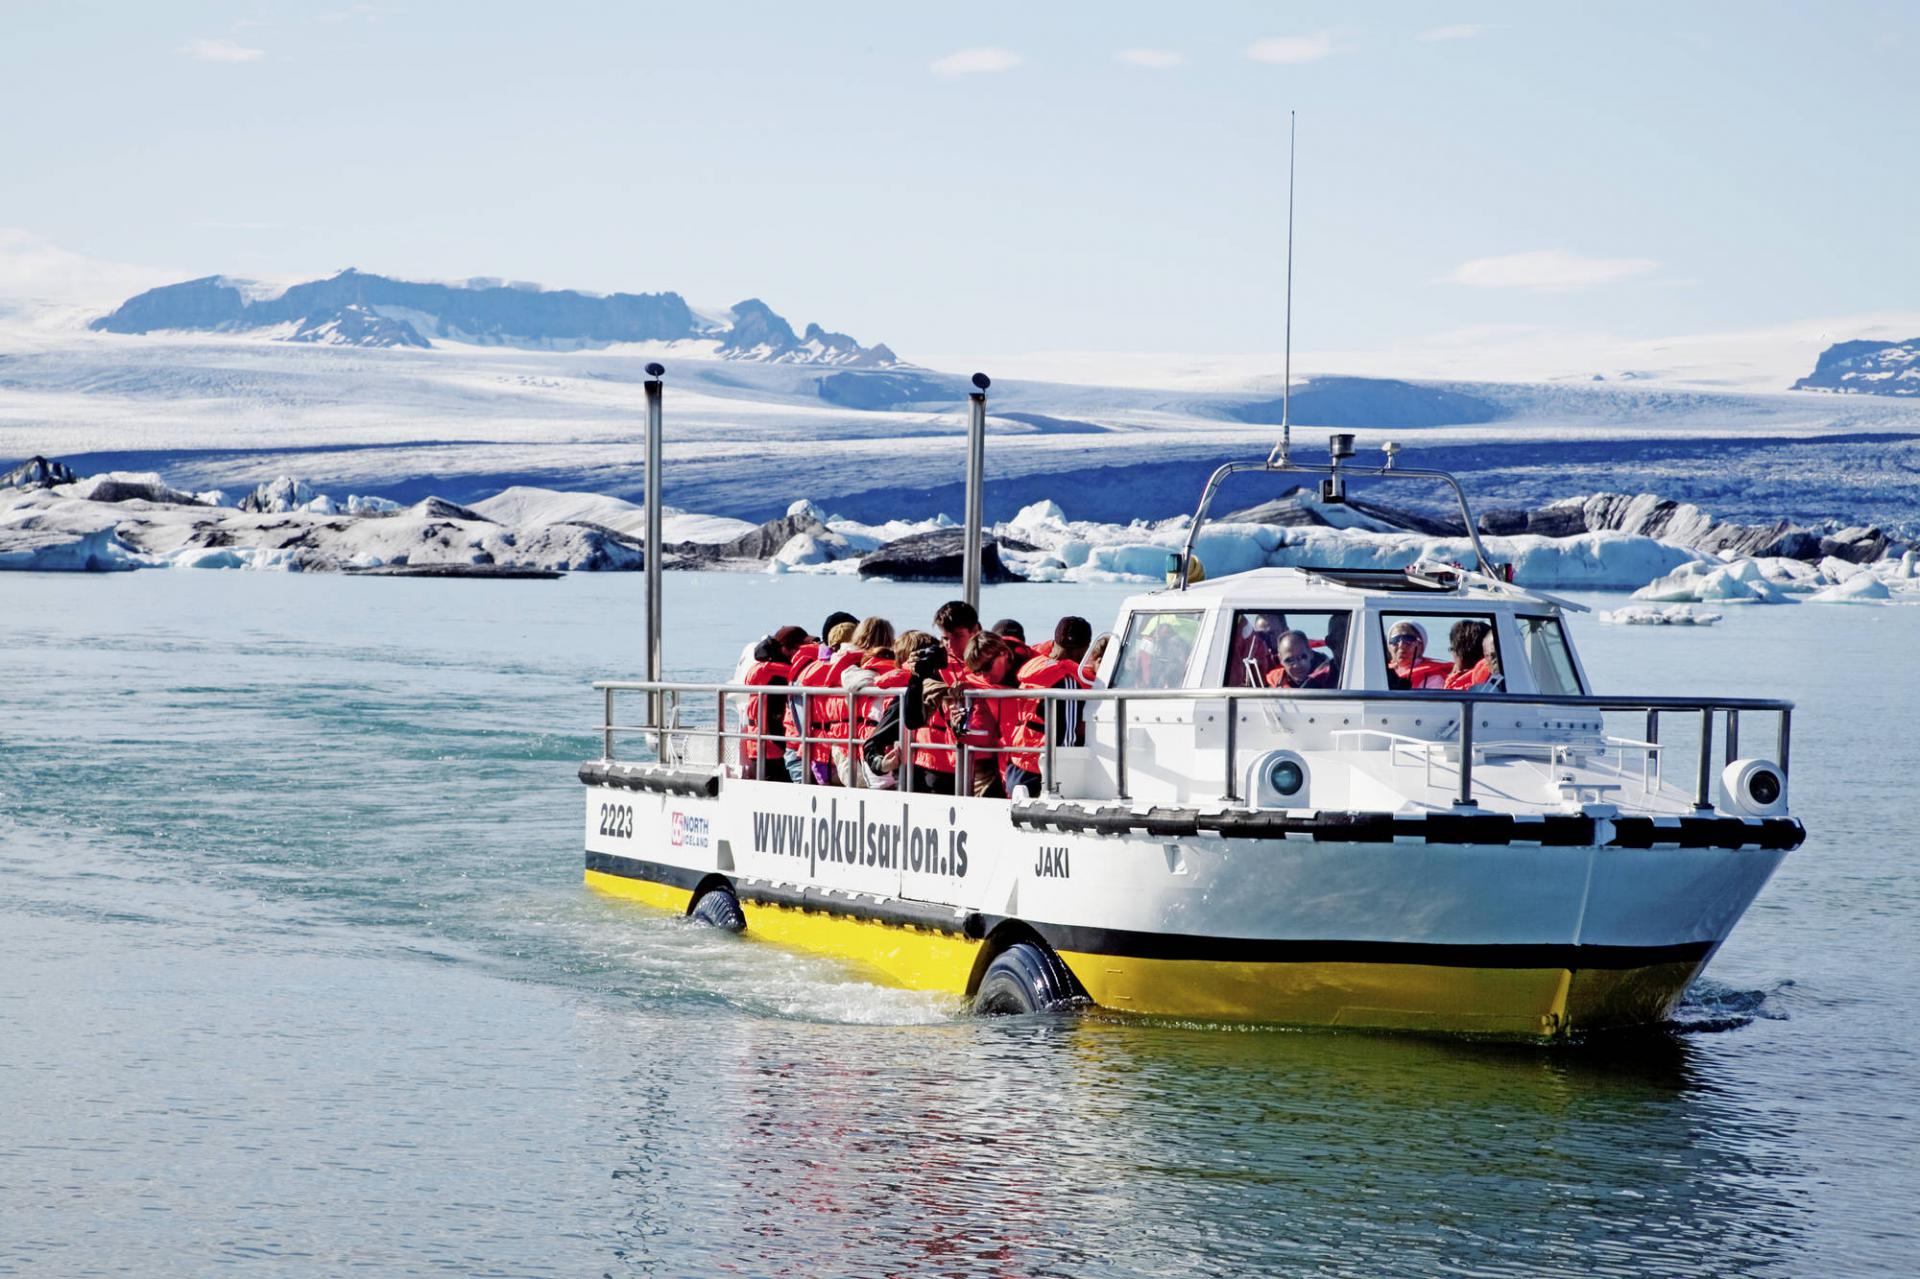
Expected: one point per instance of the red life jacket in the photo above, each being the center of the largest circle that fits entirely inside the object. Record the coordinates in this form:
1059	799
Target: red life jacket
818	672
868	708
773	748
1318	677
988	722
1026	717
1481	672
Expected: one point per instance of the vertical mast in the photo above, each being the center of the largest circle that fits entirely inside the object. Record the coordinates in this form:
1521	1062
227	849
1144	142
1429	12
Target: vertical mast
1284	453
976	488
653	386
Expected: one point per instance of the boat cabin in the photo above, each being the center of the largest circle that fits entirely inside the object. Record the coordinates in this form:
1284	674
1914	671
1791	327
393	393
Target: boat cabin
1324	633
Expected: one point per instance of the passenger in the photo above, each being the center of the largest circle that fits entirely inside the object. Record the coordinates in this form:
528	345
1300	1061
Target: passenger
1254	656
1015	634
984	727
821	668
1408	665
957	623
921	710
834	619
1300	666
1090	666
873	643
1028	717
882	770
772	664
1471	643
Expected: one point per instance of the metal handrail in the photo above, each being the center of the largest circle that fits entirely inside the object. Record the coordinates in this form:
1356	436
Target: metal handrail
1464	701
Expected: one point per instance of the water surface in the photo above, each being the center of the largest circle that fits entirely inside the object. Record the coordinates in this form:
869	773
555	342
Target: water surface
299	976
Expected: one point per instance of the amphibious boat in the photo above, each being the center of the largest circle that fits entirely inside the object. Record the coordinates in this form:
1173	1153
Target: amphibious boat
1529	858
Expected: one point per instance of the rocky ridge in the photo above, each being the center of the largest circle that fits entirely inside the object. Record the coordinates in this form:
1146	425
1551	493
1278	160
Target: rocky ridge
358	308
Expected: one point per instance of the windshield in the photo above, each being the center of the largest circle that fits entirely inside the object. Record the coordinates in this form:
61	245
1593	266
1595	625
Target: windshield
1157	650
1549	657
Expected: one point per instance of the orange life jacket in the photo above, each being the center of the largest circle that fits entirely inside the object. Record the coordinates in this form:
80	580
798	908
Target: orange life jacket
1318	677
1481	672
1026	717
774	747
868	708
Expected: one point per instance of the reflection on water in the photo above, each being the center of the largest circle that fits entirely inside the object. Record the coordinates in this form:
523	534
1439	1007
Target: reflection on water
299	969
1091	1147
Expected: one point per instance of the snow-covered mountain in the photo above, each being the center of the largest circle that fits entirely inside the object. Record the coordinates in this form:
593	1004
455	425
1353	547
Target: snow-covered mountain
1867	368
355	308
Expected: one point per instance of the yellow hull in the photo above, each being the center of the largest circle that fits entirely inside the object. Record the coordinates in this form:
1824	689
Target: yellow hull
1513	1002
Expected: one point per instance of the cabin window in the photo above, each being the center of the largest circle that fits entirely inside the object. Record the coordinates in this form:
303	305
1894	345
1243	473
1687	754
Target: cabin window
1157	650
1253	656
1549	656
1447	650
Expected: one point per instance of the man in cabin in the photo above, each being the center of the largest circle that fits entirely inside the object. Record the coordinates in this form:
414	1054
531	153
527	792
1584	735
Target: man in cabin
1300	666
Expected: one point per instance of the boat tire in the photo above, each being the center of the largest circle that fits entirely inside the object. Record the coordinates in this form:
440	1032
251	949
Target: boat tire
1024	978
719	908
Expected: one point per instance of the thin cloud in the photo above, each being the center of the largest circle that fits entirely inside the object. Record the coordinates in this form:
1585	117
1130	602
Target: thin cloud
1547	269
1152	59
1288	50
1458	31
975	62
221	51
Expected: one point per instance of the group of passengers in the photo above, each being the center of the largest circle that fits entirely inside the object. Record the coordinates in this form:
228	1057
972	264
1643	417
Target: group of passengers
893	704
1475	659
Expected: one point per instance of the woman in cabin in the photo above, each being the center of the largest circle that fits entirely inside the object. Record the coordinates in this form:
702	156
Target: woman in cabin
1408	666
1476	663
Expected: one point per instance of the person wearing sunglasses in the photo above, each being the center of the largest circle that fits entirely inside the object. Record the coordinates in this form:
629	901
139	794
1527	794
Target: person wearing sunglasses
1407	662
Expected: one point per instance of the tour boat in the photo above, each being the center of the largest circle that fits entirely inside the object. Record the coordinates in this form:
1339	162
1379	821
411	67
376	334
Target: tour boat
1526	858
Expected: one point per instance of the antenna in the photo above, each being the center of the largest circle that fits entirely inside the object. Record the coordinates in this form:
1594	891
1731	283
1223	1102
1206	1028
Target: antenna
1284	453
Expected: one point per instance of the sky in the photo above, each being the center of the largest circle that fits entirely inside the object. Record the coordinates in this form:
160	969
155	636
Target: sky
1002	178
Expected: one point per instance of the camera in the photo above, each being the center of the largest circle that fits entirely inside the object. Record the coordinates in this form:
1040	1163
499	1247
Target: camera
929	660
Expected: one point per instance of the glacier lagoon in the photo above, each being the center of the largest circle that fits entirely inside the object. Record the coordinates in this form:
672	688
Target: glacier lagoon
300	975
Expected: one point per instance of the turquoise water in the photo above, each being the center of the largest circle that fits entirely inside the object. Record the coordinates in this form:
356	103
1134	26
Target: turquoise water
298	977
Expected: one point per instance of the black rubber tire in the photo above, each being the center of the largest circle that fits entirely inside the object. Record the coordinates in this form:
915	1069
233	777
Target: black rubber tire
720	908
1024	978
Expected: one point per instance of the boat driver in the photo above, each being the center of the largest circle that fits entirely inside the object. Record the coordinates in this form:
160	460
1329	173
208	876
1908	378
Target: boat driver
1300	666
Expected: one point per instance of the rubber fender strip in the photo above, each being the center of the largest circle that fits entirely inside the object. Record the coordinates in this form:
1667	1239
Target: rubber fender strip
1145	945
882	910
1558	830
658	780
655	872
886	910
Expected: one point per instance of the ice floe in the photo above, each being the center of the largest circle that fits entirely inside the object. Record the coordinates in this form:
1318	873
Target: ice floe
1671	615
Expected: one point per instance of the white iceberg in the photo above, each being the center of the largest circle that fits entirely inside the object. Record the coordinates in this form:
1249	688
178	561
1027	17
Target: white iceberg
1861	588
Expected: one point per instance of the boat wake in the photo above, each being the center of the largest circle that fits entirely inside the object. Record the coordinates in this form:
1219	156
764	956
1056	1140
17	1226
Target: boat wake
1709	1007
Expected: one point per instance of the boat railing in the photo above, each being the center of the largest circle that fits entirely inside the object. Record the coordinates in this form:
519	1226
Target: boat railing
665	724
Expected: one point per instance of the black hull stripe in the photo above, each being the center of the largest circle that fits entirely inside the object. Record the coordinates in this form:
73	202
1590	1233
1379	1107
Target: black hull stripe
1255	950
1128	944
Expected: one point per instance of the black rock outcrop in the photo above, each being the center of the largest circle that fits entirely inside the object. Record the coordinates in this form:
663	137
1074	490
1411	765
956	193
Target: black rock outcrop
1865	367
37	473
935	557
362	309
